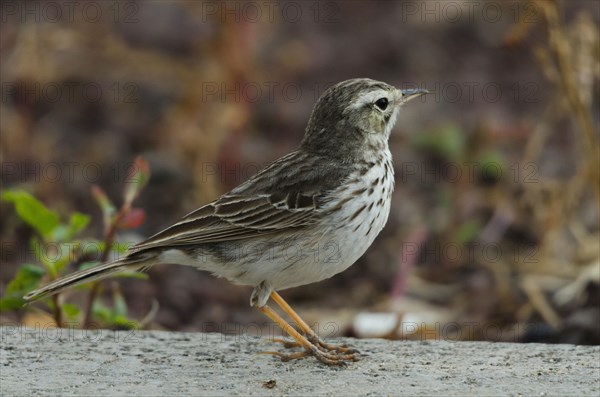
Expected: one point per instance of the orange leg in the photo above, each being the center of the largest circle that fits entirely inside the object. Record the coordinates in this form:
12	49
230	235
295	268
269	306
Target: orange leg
310	348
311	335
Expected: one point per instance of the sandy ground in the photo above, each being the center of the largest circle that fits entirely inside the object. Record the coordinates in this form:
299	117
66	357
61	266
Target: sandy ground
71	362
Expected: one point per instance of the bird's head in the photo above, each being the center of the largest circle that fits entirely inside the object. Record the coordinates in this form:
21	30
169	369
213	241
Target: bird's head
355	113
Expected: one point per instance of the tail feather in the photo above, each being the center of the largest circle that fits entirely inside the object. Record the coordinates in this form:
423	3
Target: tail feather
85	276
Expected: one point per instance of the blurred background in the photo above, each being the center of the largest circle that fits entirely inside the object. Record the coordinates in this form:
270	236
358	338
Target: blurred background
494	227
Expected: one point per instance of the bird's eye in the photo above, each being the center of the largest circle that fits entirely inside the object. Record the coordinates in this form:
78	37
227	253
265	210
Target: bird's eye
382	103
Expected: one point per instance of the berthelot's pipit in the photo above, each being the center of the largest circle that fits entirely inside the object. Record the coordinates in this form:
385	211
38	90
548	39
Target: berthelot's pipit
304	218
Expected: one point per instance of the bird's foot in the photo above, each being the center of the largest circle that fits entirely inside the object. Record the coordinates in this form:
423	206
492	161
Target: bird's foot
343	348
331	359
306	338
315	340
342	352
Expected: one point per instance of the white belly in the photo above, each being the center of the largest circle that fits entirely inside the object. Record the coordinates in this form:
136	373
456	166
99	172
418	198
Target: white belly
348	233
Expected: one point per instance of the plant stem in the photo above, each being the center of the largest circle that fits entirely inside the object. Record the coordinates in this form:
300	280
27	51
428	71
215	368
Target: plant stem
109	239
57	311
559	46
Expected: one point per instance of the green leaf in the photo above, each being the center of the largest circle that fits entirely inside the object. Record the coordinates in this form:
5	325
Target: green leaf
39	250
77	223
120	304
121	247
60	233
467	232
54	255
125	322
71	310
9	303
492	165
139	174
102	312
32	211
106	206
27	278
92	247
68	252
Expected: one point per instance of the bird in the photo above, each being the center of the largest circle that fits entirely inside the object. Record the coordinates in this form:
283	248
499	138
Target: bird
304	218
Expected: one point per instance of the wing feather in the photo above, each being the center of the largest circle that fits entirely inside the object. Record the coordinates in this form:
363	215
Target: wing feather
286	195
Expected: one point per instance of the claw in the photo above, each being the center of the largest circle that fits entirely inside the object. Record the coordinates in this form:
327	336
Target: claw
287	357
288	344
329	347
329	358
344	348
342	352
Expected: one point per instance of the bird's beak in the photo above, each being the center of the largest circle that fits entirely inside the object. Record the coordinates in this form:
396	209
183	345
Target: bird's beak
407	95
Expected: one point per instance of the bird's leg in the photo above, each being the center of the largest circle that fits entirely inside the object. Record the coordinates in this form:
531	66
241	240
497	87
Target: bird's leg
349	353
310	348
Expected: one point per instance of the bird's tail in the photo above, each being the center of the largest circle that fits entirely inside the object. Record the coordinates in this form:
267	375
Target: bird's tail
85	276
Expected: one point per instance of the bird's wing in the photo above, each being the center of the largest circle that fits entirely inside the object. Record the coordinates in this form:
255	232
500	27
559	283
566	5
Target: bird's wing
235	218
289	194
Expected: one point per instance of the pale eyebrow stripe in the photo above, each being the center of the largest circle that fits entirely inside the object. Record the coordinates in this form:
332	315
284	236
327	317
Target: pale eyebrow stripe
369	97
